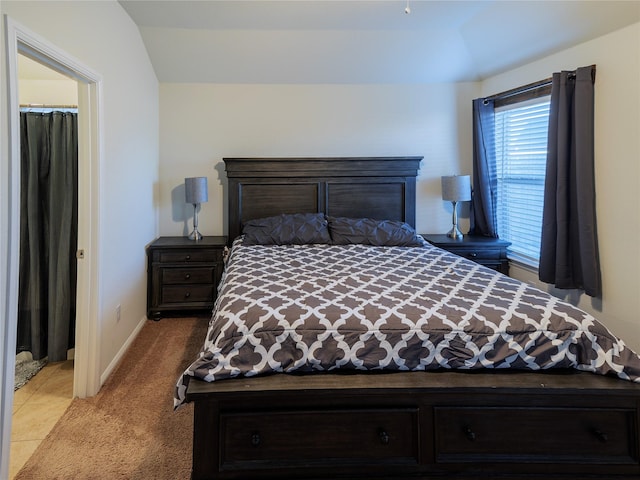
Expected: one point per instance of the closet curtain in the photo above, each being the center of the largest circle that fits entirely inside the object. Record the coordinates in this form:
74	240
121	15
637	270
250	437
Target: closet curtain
569	249
48	234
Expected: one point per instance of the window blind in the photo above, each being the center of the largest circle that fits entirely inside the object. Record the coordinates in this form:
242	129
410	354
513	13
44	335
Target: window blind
521	155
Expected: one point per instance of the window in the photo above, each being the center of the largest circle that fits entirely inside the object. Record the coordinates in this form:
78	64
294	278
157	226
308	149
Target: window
521	155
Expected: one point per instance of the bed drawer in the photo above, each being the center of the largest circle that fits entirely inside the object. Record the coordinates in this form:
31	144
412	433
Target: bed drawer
173	275
281	439
535	435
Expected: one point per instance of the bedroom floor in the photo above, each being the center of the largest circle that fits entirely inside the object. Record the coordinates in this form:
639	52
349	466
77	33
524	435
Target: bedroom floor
36	408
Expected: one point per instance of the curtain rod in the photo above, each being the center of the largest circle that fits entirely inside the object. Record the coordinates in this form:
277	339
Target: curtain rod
519	90
533	86
42	105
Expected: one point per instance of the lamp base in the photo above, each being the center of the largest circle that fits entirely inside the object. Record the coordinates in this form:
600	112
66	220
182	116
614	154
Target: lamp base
455	233
195	235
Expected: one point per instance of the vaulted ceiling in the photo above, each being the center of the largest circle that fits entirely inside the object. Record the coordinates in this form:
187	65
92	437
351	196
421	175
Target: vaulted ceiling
361	41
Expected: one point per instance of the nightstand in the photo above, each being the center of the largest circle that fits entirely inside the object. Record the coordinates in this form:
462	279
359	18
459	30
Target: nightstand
490	252
183	275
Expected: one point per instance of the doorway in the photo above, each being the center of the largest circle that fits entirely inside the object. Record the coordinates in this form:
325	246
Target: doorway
48	217
86	376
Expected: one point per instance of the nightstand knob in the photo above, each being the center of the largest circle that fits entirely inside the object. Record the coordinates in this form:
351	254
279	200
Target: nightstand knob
470	434
603	437
384	436
473	254
187	295
187	276
187	258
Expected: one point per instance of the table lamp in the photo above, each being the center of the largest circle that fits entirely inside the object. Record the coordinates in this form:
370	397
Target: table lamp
456	188
195	189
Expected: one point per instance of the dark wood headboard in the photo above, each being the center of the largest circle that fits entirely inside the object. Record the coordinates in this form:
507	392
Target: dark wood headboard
374	187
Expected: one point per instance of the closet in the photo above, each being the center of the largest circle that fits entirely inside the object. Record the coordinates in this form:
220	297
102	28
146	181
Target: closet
48	213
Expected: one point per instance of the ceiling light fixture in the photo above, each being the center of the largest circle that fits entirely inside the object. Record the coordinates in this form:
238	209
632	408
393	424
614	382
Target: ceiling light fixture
407	10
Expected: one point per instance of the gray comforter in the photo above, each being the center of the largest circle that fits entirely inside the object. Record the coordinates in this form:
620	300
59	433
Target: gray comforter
319	308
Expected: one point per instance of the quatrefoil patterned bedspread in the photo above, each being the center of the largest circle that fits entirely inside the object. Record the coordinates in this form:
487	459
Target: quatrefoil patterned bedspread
320	308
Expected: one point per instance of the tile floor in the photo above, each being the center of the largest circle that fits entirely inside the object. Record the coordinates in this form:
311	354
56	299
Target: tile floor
36	408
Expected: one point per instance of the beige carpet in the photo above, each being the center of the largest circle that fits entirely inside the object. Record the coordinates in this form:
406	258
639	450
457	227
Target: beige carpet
129	430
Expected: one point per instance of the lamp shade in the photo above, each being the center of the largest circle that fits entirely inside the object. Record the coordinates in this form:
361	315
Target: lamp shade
456	188
195	189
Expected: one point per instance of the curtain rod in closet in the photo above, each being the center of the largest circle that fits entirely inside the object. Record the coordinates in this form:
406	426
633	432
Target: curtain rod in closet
42	105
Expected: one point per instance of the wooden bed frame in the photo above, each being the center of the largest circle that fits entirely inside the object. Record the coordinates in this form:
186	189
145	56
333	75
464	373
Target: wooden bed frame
462	425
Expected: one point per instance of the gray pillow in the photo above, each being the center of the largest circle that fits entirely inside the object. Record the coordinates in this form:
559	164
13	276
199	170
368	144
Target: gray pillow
287	229
368	231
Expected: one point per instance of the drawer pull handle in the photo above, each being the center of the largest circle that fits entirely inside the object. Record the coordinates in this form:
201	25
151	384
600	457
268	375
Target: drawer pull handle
470	434
473	255
255	439
187	258
384	436
187	295
187	276
603	437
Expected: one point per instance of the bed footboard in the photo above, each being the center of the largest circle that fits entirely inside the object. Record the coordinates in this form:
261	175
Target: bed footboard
417	425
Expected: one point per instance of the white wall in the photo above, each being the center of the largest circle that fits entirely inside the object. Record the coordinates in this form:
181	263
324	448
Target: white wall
102	36
48	92
617	168
202	123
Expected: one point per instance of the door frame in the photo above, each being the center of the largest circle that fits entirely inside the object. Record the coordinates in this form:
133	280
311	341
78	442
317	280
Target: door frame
20	40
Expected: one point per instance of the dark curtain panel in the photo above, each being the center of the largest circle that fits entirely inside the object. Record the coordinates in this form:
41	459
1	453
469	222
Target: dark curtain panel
569	251
483	206
48	234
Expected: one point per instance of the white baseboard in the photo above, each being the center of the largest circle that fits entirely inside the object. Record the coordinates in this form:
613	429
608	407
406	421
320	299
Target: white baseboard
116	360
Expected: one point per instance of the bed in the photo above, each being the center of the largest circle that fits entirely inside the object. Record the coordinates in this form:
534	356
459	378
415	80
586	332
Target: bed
297	389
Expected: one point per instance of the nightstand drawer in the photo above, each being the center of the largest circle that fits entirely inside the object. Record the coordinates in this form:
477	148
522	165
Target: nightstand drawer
183	275
193	275
191	293
490	252
484	254
188	256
